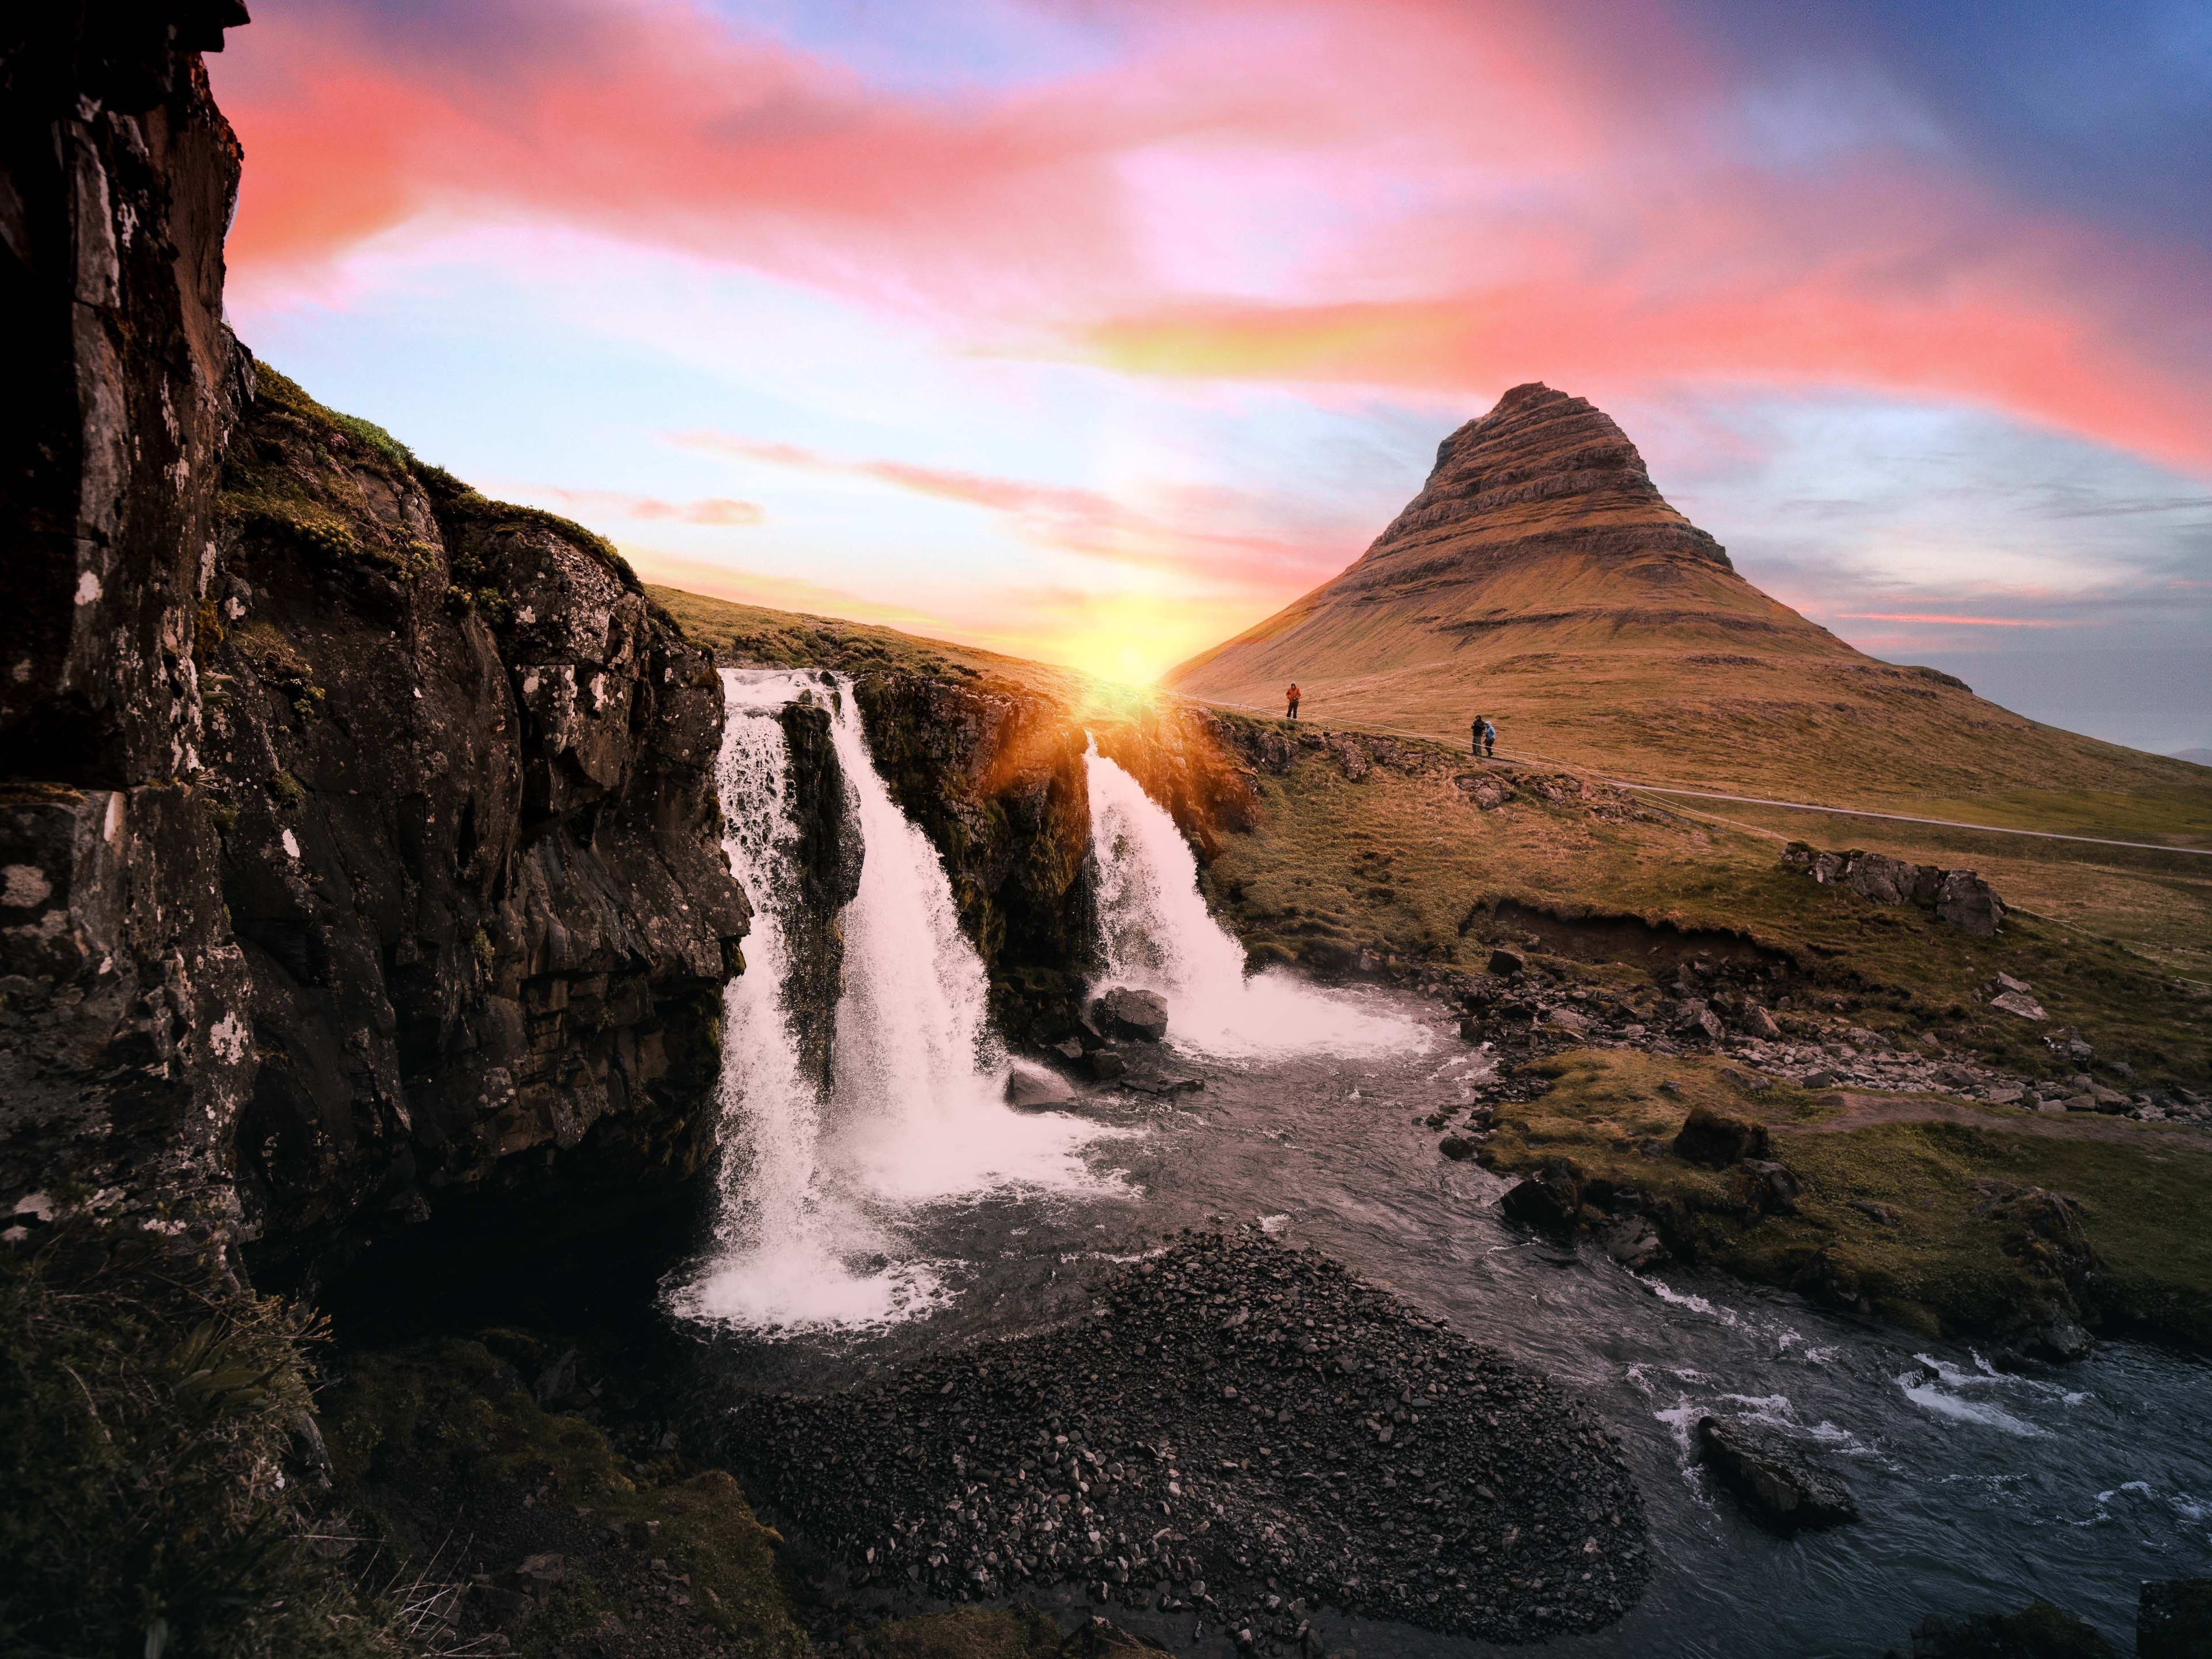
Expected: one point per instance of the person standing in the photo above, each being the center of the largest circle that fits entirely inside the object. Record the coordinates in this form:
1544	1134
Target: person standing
1291	696
1477	731
1489	741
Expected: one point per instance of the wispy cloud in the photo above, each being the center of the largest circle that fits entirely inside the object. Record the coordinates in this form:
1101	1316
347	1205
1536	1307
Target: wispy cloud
617	504
1947	619
1093	524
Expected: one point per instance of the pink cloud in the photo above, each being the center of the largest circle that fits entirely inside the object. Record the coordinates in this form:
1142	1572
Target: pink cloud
1969	622
1436	195
719	510
1093	524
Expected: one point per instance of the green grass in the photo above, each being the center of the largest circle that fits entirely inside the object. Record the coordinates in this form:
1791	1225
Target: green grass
147	1409
2145	1198
1404	866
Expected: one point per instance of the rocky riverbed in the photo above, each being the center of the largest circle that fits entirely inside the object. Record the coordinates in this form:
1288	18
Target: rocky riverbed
1239	1432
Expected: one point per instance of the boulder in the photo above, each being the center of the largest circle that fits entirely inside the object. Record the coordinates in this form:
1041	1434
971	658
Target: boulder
1775	1476
1966	902
2174	1619
2007	983
1458	1148
1550	1200
1567	1020
1717	1139
1136	1016
1771	1187
1502	960
1033	1089
2020	1005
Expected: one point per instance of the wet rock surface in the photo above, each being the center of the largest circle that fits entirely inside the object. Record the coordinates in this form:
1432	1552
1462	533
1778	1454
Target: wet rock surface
1778	1481
1136	1016
1241	1433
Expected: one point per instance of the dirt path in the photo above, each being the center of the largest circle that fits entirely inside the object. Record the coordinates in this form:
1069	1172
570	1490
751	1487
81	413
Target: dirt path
1862	1111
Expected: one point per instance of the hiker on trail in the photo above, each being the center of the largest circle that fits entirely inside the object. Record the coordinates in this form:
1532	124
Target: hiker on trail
1292	695
1486	738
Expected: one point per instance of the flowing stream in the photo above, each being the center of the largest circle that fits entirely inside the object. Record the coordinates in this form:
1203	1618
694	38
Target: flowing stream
908	1210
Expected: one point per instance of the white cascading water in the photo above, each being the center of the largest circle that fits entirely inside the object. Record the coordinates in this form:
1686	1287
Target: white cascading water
1160	937
815	1192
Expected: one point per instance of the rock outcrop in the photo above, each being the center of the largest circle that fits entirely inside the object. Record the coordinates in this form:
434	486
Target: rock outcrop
993	777
124	1059
1957	896
829	855
463	771
362	847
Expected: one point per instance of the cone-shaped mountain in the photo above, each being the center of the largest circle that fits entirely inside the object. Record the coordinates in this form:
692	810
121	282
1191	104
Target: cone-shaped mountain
1540	578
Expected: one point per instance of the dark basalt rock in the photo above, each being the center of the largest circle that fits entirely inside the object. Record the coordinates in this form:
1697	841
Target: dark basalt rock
1197	1446
1031	1089
993	776
1550	1200
364	852
1135	1016
829	854
123	1054
1717	1139
1776	1477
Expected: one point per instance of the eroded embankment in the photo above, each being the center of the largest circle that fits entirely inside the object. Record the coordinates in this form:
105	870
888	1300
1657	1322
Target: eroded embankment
1240	1434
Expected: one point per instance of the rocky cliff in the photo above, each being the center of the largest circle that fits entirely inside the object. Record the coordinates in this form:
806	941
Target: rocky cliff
360	841
994	775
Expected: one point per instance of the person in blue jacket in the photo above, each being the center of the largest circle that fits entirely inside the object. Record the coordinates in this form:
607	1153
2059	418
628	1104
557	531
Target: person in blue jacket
1486	738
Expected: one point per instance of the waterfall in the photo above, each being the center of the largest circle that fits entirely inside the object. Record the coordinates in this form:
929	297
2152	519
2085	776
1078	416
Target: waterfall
818	1193
1159	936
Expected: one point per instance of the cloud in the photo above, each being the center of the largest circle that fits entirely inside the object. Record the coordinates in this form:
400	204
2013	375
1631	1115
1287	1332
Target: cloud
1399	192
1967	622
719	510
1095	525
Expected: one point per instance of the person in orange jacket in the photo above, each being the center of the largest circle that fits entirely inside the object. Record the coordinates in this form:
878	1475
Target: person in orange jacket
1292	695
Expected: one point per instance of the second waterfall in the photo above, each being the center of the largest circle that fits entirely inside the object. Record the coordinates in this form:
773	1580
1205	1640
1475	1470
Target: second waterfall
823	1179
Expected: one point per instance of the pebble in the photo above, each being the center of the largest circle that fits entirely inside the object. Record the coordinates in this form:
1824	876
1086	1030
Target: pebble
1237	1426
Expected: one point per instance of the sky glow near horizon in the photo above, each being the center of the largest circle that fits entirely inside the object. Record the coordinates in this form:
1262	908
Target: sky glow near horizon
1098	331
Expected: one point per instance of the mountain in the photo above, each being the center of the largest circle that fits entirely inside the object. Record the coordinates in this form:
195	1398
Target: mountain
1540	578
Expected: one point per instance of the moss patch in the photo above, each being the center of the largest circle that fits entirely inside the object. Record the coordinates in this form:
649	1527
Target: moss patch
1906	1216
445	1438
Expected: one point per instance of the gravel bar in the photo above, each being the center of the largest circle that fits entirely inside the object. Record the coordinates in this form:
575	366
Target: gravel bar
1240	1431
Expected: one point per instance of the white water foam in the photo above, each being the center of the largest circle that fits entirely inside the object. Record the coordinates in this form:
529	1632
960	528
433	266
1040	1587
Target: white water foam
1160	937
1941	1388
815	1192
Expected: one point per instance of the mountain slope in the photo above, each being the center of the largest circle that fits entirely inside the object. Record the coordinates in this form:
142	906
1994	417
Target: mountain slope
1540	578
